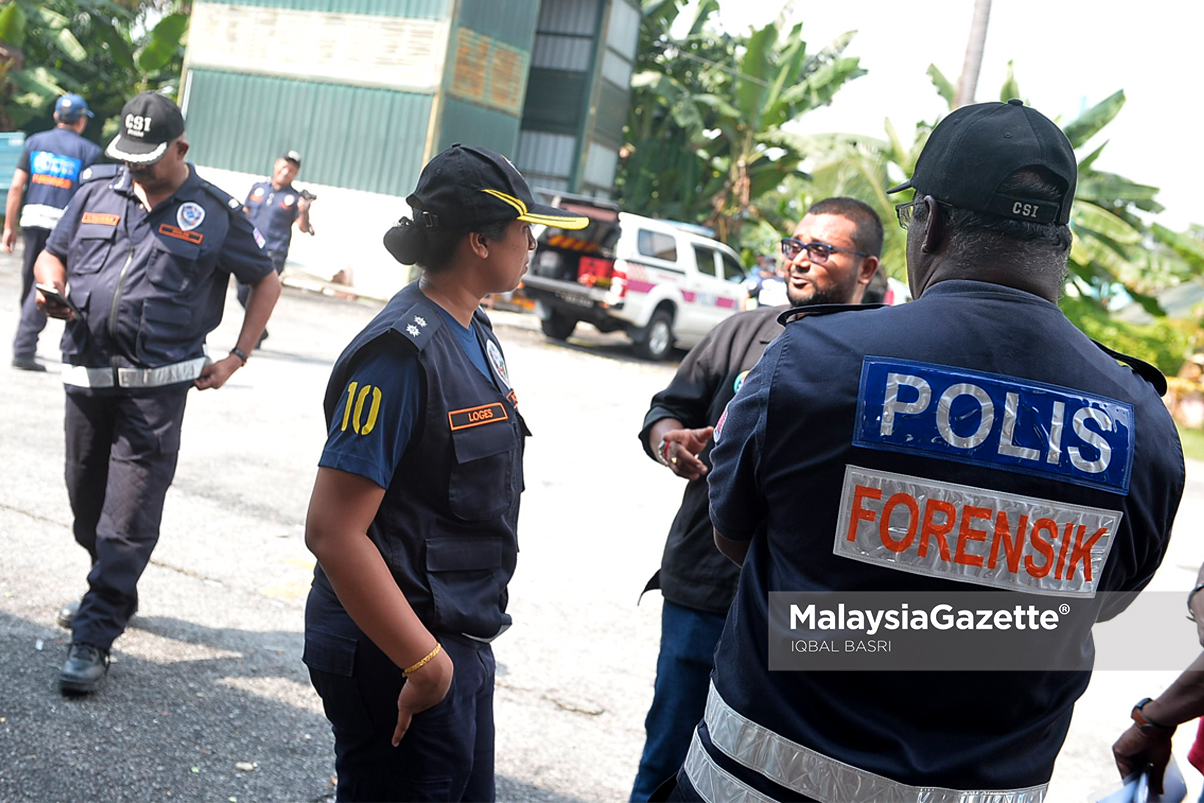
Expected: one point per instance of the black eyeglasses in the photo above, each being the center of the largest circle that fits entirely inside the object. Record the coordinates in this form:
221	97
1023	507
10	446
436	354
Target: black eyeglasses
817	252
906	213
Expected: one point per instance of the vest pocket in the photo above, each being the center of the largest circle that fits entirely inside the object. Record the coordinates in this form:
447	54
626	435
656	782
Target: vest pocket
164	333
91	249
462	572
172	263
480	486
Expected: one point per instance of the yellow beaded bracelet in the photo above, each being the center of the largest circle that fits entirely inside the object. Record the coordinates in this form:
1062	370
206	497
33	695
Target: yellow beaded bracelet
405	673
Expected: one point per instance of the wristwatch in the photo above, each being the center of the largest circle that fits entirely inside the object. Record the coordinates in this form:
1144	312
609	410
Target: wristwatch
660	452
1146	725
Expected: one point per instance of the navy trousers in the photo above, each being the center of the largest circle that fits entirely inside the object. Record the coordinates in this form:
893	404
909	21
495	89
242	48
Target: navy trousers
446	755
121	459
683	676
32	320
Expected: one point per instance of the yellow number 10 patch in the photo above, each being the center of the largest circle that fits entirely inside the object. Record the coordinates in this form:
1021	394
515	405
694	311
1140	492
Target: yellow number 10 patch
358	423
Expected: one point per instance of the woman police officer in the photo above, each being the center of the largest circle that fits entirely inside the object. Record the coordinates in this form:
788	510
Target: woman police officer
413	513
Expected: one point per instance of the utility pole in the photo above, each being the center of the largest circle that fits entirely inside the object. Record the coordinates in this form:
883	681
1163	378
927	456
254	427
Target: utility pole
968	81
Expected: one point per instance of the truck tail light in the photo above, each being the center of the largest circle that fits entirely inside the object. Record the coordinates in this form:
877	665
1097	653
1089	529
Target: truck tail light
618	280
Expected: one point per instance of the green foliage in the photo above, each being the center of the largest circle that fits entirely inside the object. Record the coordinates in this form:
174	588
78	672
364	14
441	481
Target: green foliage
704	136
1163	343
105	50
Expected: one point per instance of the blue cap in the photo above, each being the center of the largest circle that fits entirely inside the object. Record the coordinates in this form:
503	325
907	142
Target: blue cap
71	107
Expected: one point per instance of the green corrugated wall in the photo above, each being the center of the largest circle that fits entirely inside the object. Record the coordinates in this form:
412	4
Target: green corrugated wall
471	124
413	9
364	139
509	21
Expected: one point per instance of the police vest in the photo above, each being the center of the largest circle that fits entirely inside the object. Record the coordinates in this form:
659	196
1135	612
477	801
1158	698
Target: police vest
447	524
1035	465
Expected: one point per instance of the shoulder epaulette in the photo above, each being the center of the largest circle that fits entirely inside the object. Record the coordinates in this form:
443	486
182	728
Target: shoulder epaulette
417	324
227	200
798	313
1140	367
99	171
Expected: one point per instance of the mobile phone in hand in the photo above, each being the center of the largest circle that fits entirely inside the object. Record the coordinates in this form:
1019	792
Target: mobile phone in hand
55	297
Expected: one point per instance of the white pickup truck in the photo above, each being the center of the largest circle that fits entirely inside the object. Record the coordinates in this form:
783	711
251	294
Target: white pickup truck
665	284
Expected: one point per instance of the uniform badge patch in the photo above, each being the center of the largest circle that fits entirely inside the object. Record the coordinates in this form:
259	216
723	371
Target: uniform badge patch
189	216
476	416
101	218
288	200
739	381
188	236
258	237
258	193
499	364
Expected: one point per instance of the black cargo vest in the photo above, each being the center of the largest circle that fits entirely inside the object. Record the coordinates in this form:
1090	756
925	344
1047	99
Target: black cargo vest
446	526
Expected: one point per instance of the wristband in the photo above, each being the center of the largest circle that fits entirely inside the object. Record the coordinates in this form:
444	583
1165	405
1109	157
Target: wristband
240	354
409	670
1148	726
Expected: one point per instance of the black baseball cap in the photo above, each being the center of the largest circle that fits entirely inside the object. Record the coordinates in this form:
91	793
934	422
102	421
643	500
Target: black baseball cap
465	187
976	148
149	121
292	156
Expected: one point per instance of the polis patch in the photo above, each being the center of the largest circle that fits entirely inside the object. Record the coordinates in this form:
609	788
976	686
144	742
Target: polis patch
973	535
477	416
995	421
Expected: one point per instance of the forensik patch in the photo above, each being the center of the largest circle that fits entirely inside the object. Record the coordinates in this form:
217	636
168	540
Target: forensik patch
477	416
973	535
101	218
190	215
188	236
995	421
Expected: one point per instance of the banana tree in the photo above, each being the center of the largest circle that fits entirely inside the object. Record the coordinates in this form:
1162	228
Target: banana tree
704	137
102	49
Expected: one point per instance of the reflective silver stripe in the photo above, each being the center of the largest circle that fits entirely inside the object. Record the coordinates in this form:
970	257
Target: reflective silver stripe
40	216
714	784
807	772
82	377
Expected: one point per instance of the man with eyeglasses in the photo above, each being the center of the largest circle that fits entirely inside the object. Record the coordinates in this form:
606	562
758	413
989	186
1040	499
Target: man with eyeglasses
971	441
830	259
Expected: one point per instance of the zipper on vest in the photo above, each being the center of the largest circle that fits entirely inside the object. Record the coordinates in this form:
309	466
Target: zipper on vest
113	361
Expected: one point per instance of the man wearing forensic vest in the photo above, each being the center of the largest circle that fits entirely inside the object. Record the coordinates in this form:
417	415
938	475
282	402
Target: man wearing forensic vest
966	448
46	178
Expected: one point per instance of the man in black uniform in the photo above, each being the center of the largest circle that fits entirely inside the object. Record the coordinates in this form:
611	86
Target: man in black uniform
831	258
147	251
970	440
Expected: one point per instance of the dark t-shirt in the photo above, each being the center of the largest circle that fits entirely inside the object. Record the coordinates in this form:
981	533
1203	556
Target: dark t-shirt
693	572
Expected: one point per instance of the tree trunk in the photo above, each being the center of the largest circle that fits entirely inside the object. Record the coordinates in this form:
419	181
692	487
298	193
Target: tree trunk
973	63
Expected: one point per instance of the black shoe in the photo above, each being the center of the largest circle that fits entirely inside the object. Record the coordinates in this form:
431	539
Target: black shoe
262	338
67	613
28	364
85	668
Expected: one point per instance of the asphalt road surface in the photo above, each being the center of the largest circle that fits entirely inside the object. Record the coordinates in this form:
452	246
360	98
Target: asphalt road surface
207	698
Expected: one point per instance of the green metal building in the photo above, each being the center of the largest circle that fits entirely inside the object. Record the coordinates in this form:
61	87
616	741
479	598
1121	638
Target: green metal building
369	90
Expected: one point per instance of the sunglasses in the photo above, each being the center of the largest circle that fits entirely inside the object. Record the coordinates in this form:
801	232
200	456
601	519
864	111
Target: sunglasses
817	252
